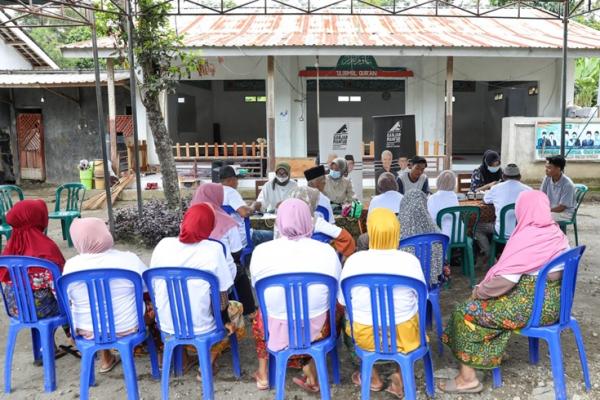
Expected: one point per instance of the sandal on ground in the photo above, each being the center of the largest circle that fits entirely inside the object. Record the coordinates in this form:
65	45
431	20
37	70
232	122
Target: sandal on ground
115	362
357	382
450	387
301	381
260	384
394	393
58	353
70	350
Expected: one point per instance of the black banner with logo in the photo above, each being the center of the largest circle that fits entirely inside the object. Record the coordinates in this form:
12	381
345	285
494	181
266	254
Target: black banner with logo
395	133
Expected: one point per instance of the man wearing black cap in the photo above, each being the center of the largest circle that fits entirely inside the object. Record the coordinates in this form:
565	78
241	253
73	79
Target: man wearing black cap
500	195
233	199
415	177
315	177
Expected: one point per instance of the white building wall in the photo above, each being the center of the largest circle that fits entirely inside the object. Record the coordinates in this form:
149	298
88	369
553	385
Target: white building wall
11	59
424	92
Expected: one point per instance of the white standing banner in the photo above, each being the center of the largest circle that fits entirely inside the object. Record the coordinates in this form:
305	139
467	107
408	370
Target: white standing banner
341	136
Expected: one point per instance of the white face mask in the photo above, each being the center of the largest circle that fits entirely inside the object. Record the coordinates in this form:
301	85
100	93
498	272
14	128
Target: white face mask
283	179
335	174
493	170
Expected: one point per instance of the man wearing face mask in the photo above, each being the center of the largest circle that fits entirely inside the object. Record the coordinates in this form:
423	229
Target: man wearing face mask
488	173
338	188
276	190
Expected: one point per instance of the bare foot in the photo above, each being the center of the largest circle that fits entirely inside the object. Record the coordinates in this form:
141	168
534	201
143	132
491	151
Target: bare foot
396	386
460	384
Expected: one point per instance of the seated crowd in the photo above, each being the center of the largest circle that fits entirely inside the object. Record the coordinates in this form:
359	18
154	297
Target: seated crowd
212	240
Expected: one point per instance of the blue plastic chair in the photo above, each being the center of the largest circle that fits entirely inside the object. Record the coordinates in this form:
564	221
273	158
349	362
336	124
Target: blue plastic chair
321	237
176	280
246	251
381	287
42	329
551	333
423	245
97	282
324	212
295	287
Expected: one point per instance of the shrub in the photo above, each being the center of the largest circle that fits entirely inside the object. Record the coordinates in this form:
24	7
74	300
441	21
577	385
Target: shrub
156	223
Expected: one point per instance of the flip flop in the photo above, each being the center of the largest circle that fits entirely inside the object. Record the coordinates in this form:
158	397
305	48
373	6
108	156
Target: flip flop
70	350
301	381
260	384
116	361
395	394
450	387
58	353
357	382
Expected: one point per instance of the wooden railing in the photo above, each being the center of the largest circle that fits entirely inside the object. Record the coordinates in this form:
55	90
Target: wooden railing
428	149
253	156
205	151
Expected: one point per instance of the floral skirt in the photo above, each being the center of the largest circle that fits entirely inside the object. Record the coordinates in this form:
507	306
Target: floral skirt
46	304
478	330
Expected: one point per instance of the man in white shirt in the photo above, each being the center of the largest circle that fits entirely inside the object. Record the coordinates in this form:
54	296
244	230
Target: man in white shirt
390	197
233	199
276	190
315	178
501	195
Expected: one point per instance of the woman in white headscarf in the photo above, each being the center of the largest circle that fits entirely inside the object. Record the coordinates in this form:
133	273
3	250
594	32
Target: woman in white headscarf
444	197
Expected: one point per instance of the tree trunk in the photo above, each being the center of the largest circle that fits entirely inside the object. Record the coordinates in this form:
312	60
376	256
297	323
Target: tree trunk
164	150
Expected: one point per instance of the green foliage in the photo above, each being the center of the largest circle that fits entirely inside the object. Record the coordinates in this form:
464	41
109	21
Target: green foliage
158	48
51	39
586	81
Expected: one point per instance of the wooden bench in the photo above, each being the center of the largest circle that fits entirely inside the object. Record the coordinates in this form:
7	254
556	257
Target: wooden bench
298	165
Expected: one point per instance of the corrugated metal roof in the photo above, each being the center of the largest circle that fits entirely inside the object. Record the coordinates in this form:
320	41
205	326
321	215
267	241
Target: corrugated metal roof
245	31
41	80
382	31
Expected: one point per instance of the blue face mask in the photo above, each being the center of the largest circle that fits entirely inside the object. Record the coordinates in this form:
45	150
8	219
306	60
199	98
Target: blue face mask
335	174
493	170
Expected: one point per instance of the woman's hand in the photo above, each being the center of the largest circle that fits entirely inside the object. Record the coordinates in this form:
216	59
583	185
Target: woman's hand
230	328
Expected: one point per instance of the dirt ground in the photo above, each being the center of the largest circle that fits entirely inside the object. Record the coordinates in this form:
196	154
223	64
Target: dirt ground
521	380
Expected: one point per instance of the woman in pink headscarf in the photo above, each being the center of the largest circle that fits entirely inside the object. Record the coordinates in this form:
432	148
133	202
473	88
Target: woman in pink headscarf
294	251
94	243
479	329
226	231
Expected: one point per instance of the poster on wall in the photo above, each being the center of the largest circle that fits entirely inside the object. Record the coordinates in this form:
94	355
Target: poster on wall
395	133
342	136
582	142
